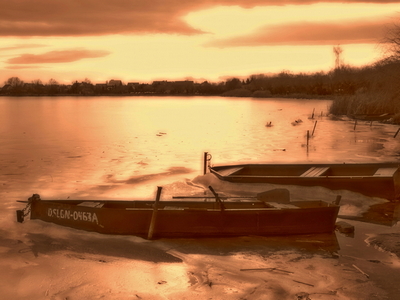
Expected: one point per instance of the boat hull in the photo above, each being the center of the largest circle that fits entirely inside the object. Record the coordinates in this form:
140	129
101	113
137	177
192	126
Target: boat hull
375	180
184	219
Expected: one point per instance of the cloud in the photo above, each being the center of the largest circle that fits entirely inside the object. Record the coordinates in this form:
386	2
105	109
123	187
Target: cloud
22	46
95	17
90	17
310	33
13	67
63	56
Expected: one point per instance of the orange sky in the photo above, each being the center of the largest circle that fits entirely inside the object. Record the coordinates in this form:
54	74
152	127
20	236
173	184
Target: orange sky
136	40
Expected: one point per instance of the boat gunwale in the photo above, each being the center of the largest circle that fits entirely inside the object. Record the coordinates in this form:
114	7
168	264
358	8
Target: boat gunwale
163	205
305	177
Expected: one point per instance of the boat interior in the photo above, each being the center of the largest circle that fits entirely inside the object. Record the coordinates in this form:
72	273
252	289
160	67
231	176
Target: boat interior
198	204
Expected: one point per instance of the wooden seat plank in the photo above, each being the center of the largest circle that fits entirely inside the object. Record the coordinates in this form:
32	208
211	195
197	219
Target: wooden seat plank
230	171
385	172
315	172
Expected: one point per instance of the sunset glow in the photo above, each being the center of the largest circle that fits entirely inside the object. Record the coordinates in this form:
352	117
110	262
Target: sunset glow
201	40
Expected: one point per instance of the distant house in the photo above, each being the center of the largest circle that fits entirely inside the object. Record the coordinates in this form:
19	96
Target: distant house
86	89
28	85
114	83
159	82
183	87
100	87
6	89
161	87
187	82
64	89
132	86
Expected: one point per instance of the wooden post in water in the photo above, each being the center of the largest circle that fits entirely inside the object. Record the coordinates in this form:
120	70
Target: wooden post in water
205	160
218	199
315	125
154	215
397	132
355	124
312	115
338	198
308	137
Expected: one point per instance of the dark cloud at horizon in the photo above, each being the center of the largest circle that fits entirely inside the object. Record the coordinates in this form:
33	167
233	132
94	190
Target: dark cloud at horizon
62	56
25	18
18	67
22	46
310	33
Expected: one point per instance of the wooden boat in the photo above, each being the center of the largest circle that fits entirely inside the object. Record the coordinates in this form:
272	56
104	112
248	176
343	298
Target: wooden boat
371	179
190	218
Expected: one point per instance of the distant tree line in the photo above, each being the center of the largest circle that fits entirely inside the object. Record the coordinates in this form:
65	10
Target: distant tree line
345	80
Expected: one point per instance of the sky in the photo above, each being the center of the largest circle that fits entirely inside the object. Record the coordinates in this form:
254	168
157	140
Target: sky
142	41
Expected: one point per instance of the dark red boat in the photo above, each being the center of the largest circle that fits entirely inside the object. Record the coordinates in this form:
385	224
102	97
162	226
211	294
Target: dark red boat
272	213
371	179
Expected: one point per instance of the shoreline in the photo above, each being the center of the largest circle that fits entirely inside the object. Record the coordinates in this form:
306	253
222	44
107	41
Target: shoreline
297	96
392	120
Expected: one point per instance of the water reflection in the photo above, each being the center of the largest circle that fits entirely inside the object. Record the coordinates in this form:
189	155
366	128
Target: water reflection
84	246
387	213
310	244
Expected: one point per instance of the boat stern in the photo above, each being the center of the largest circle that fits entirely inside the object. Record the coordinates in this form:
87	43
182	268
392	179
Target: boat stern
22	213
396	182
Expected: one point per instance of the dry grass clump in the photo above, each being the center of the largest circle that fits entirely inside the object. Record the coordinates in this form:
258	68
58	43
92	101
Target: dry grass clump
396	118
383	102
261	94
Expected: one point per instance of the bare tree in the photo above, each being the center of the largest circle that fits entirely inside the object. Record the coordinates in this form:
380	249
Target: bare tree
87	80
15	85
391	43
37	82
52	86
52	82
14	82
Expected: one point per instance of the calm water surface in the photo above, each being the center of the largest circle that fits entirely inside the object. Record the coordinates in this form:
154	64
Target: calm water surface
59	146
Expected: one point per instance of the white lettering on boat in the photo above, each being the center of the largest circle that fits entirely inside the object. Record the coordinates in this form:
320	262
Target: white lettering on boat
67	214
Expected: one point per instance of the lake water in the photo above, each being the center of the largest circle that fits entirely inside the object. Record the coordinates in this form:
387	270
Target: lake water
124	147
83	146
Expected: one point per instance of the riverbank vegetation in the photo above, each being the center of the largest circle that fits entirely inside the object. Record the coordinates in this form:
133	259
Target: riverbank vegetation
377	92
